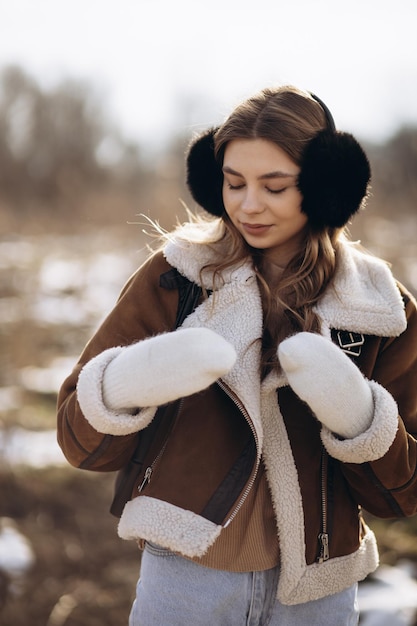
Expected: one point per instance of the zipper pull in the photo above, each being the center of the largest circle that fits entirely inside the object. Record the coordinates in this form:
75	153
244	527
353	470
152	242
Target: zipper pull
146	478
324	548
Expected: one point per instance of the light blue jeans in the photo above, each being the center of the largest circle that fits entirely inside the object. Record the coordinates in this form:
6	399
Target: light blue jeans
173	591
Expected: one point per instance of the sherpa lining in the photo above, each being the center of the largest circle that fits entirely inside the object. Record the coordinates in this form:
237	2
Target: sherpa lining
300	582
376	440
90	399
364	296
322	579
167	525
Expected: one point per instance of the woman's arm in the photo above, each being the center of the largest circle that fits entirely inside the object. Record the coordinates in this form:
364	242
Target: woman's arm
142	310
387	487
369	423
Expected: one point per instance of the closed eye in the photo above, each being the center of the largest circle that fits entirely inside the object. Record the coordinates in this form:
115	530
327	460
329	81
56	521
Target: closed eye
234	187
267	189
276	191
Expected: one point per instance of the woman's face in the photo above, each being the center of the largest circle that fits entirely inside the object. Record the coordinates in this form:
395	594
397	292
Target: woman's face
261	197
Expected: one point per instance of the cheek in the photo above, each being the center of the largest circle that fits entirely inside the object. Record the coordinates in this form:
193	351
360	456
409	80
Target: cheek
298	221
229	200
294	208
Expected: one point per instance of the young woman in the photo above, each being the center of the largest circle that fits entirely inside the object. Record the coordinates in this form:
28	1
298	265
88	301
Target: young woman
287	398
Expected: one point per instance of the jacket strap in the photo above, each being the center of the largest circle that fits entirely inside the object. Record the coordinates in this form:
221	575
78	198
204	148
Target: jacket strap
188	296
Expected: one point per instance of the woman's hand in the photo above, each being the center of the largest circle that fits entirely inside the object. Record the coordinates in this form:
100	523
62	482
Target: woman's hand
163	368
327	380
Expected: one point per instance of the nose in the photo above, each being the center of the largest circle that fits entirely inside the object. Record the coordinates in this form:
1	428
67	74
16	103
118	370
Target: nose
251	202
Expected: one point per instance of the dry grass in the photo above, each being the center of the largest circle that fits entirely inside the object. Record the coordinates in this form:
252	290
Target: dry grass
83	573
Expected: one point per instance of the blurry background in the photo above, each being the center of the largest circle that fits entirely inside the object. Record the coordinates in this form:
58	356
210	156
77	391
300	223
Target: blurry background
98	100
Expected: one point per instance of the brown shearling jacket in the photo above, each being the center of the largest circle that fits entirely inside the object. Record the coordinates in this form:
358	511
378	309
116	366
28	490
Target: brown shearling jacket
202	471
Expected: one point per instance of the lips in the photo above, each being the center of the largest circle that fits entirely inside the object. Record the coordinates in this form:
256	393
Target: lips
255	229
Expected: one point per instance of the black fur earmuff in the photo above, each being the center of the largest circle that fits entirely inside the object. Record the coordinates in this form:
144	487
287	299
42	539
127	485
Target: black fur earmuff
333	179
204	174
334	175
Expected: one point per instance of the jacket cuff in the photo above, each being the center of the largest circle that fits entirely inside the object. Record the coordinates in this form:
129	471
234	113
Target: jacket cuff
91	401
375	442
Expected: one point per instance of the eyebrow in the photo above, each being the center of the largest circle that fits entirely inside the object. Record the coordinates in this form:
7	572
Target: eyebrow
269	175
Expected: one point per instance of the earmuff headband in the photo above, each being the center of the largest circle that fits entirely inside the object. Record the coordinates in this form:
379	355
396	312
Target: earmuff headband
329	117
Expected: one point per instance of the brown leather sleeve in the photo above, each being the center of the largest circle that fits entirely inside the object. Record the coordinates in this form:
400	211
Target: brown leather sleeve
143	309
388	487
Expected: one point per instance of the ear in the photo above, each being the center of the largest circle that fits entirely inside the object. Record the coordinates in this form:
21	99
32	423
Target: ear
204	174
334	178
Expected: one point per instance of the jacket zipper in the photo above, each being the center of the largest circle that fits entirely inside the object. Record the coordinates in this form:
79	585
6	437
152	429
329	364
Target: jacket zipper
244	412
149	470
323	536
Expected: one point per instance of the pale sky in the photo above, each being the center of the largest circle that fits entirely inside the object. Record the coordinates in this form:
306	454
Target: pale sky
174	65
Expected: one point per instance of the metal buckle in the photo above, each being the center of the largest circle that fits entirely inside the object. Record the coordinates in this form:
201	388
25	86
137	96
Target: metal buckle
350	343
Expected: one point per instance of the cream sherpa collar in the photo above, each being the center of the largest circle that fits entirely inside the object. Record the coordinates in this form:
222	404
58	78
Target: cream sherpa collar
363	298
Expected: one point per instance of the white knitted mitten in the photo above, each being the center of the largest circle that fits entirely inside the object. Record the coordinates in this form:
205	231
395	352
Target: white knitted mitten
163	368
327	380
